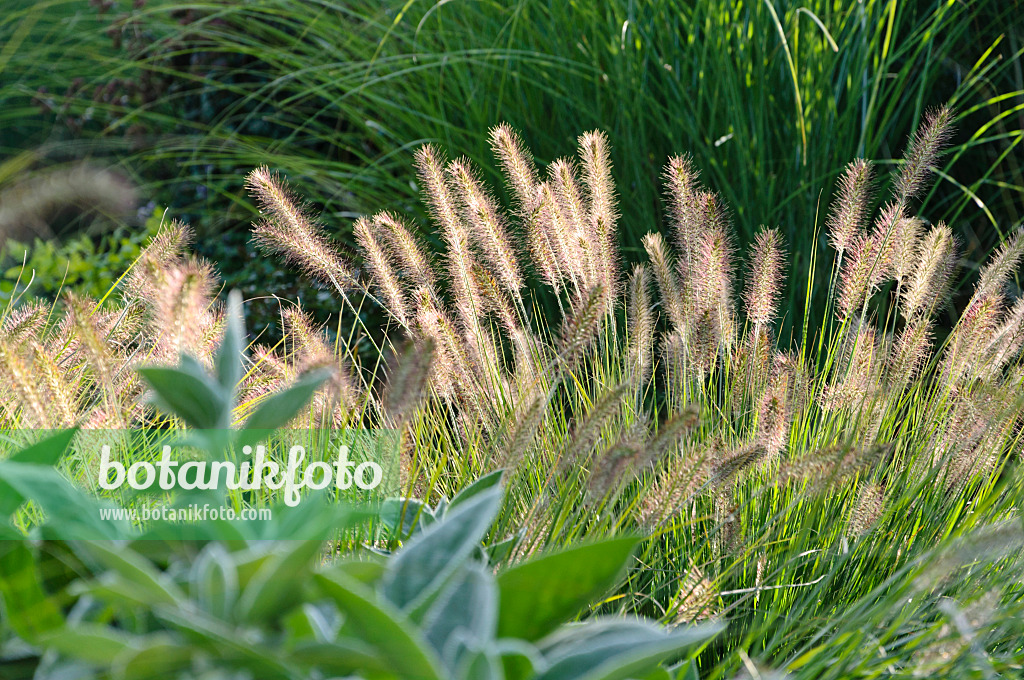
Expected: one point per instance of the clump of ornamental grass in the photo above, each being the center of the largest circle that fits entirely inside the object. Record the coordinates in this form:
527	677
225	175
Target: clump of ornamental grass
770	475
662	397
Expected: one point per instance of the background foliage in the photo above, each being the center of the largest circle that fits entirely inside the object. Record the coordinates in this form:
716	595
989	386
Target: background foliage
771	100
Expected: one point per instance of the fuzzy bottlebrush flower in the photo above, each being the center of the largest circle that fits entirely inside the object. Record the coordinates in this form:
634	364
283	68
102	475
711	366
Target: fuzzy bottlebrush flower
996	274
906	244
821	470
676	483
705	339
886	237
494	300
602	214
21	381
681	195
922	153
452	369
775	411
23	322
546	248
849	210
517	164
964	356
910	353
587	433
1005	343
184	310
383	271
523	427
668	284
149	274
440	199
287	229
974	433
713	273
766	278
408	380
556	245
580	330
92	340
309	349
406	249
858	275
487	227
615	466
666	442
696	599
640	321
925	288
868	510
857	372
567	220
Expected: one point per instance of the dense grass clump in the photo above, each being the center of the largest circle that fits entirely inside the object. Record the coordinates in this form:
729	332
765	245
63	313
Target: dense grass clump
845	501
772	99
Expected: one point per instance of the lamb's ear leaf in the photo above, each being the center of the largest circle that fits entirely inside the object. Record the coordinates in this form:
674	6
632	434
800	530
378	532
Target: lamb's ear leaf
478	486
278	581
539	594
614	649
135	569
280	408
182	393
470	603
427	561
403	516
376	622
47	452
228	361
158	656
30	612
71	514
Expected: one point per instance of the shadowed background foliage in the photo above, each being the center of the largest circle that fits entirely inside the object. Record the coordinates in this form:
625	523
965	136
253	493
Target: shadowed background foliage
771	100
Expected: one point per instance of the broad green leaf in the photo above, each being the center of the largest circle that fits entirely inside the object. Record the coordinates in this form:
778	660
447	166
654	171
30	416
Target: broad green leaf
499	551
136	569
155	658
26	607
616	649
468	603
48	452
95	643
342	657
228	360
112	588
214	580
538	595
406	513
213	634
481	665
381	625
280	408
310	623
274	588
364	569
483	484
425	563
190	397
70	513
520	660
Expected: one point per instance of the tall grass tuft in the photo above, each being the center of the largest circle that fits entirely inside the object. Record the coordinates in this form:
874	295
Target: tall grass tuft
825	478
